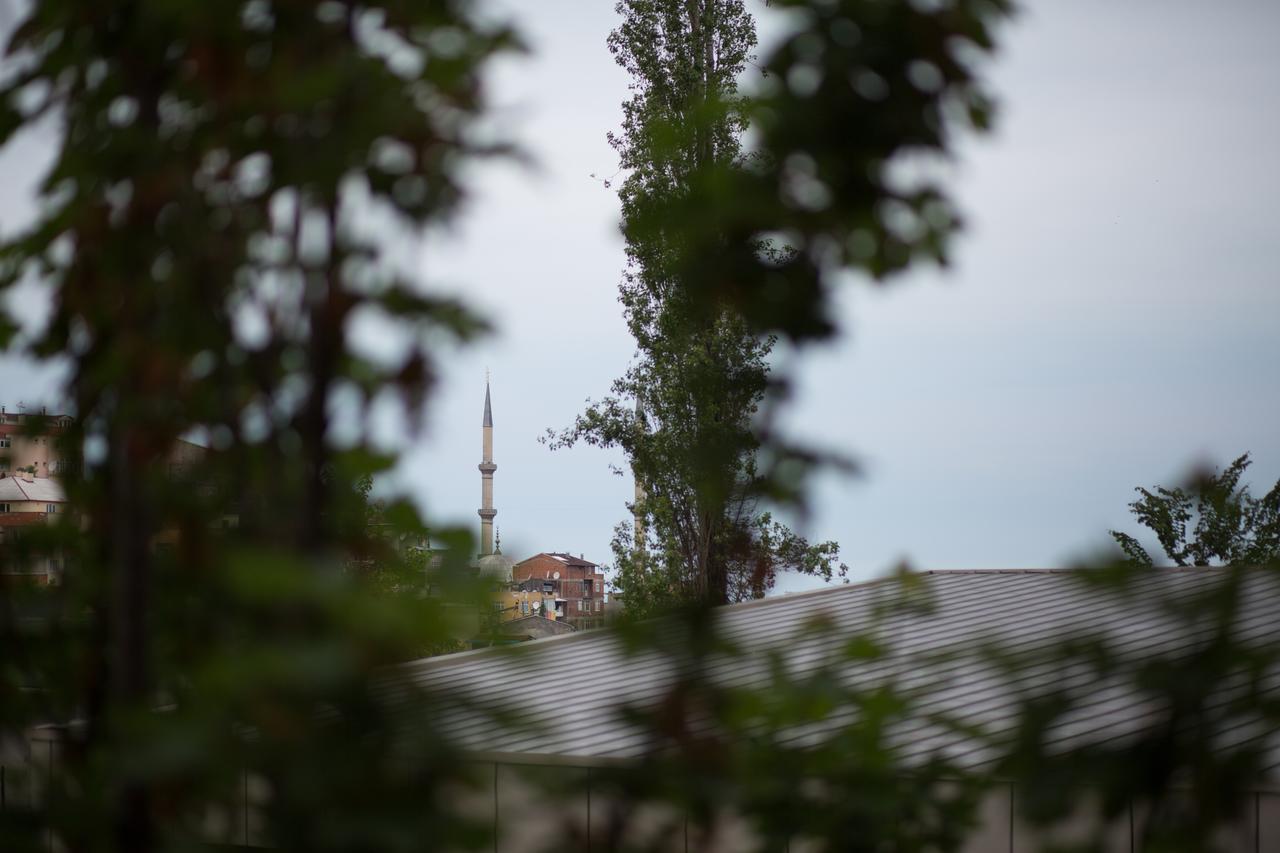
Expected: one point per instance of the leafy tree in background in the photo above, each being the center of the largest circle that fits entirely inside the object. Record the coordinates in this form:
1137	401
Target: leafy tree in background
1231	526
699	378
855	119
227	186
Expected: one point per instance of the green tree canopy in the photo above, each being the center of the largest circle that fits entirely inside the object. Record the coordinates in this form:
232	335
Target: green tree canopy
1212	520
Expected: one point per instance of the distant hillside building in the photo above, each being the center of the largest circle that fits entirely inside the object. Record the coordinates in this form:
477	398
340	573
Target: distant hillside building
576	584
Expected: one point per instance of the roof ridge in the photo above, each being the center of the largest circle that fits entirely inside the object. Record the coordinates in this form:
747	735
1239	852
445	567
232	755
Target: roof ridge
1029	571
1057	571
785	598
461	657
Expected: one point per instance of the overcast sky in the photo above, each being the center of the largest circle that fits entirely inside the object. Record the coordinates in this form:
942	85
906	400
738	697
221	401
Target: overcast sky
1112	316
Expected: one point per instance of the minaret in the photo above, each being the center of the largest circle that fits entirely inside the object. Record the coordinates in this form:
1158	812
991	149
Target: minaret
486	511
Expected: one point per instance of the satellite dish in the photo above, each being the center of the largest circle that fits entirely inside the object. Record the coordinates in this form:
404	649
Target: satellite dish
555	575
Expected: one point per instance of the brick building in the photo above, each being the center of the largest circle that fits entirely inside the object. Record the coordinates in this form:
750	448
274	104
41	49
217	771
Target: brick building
576	582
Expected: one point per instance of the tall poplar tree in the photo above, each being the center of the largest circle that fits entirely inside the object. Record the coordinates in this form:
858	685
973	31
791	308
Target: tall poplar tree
685	410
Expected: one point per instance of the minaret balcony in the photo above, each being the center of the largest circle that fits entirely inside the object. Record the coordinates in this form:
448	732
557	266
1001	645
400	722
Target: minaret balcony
487	514
487	468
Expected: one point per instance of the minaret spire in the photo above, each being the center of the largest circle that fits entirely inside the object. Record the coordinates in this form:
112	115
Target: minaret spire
488	408
486	511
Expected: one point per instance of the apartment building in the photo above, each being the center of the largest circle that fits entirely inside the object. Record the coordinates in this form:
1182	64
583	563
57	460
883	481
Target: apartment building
575	584
40	455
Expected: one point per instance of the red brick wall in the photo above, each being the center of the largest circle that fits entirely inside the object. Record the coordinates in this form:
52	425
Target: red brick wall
569	586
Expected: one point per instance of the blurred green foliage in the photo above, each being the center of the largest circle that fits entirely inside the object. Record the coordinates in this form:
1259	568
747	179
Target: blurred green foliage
232	191
219	662
859	104
1085	738
854	122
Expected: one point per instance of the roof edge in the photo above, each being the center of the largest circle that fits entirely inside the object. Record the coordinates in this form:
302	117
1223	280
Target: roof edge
580	635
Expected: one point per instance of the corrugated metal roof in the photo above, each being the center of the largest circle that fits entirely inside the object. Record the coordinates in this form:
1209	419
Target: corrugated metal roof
569	688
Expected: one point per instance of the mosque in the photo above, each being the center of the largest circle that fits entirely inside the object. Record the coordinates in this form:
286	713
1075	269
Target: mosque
548	586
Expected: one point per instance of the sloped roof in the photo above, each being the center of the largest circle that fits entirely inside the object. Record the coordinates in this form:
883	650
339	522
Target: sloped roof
560	557
1018	611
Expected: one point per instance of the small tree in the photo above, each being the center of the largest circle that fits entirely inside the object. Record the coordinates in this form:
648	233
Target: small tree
1228	525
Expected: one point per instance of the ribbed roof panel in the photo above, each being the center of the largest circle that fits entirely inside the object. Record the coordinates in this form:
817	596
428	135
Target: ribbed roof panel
568	690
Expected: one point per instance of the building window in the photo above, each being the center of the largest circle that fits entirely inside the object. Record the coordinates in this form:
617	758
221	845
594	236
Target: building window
599	605
4	507
586	605
5	442
51	508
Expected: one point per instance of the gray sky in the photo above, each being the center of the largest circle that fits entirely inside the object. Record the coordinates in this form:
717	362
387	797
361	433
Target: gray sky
1113	314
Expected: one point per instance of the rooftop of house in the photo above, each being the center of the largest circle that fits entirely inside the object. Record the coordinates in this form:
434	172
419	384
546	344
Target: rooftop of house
16	487
934	626
567	559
